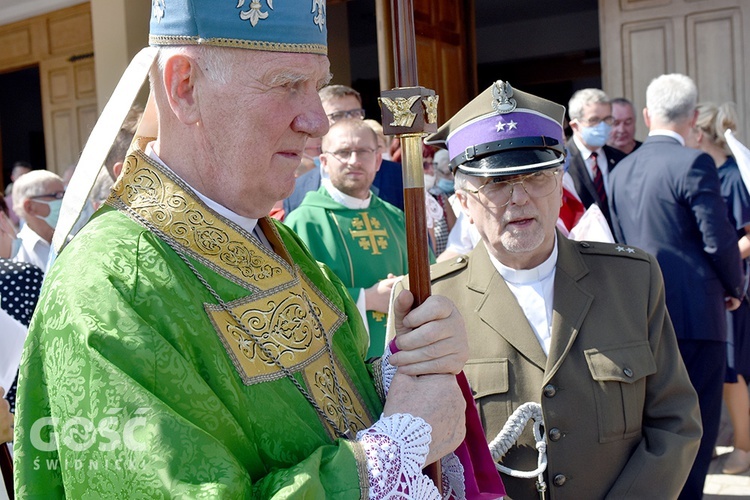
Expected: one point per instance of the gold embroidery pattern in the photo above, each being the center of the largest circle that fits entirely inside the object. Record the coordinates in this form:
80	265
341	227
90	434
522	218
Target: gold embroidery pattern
369	234
319	379
166	202
281	321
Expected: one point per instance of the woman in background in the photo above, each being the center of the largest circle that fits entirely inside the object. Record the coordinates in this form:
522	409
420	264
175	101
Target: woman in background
712	122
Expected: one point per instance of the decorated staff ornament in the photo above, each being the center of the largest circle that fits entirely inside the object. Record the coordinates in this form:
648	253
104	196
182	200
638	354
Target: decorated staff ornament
408	110
503	131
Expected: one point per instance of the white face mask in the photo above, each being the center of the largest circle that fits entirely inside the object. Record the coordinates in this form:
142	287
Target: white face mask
429	181
54	212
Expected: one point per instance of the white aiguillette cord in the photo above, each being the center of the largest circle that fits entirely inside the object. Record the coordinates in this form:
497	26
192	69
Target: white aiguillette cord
100	142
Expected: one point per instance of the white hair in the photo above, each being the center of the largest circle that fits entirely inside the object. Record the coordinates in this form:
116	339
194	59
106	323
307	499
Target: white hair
671	98
583	97
216	62
29	185
460	181
442	158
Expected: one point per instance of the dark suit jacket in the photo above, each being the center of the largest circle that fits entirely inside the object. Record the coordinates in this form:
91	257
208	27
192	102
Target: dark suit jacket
666	200
582	180
620	413
388	185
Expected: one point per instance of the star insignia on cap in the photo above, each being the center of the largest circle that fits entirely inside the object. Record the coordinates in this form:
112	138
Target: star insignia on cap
512	125
619	248
500	127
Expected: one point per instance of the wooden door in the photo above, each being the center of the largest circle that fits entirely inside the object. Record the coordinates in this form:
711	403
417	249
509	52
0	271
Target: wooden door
69	107
61	43
642	39
445	55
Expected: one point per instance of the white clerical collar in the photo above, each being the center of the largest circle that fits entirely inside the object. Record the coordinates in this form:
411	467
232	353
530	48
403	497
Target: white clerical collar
668	133
526	276
245	223
349	202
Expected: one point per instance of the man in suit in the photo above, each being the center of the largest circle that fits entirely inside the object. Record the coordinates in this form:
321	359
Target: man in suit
666	199
341	103
622	136
591	160
579	327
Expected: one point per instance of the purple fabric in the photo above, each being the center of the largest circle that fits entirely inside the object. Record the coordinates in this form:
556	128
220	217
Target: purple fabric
481	479
516	124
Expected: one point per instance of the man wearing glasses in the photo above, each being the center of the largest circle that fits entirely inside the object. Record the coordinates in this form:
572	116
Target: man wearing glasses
37	197
578	327
358	235
344	103
591	159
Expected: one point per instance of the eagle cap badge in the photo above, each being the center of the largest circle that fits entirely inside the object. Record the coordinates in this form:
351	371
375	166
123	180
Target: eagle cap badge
502	94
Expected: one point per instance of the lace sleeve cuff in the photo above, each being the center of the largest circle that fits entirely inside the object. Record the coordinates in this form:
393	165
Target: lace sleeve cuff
387	370
396	448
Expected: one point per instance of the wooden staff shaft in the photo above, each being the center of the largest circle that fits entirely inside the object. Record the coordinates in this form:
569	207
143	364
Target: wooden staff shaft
405	53
6	465
416	219
404	43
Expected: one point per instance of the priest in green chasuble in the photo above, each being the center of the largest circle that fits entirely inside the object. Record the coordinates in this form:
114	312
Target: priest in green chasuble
360	237
187	346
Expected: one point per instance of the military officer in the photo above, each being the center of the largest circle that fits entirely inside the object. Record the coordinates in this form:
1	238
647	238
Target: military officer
579	327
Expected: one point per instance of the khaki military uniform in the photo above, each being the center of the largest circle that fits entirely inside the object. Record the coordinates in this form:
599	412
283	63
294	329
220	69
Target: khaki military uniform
621	417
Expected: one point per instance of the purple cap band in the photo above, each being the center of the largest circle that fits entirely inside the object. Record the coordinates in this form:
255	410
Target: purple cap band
498	127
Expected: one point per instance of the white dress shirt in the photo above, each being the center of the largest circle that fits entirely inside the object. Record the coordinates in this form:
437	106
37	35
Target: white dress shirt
34	249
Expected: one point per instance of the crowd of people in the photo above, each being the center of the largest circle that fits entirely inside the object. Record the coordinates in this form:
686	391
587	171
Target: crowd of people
186	343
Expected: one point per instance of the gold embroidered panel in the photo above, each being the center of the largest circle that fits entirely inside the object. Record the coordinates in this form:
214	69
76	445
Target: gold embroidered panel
291	323
164	202
319	379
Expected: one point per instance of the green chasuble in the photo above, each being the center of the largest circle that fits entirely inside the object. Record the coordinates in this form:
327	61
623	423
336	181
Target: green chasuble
361	246
136	383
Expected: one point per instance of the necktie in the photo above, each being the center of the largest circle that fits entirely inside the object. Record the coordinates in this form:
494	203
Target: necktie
598	181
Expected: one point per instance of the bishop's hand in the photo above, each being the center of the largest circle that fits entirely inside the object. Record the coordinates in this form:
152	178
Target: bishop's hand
431	338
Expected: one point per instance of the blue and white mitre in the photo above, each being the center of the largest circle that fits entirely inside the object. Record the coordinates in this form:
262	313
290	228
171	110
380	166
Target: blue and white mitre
273	25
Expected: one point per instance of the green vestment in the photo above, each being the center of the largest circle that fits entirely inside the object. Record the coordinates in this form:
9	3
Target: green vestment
152	390
361	246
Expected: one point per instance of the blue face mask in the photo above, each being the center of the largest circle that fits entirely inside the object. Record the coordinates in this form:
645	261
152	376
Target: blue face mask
596	136
445	186
54	212
15	247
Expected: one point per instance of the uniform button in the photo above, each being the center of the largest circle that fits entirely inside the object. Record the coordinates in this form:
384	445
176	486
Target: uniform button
555	434
460	260
585	244
550	390
559	479
628	372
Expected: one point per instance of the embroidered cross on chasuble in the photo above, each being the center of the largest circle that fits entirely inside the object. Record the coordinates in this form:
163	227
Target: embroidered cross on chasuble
288	321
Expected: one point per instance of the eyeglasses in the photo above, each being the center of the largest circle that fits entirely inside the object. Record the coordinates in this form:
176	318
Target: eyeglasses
428	164
58	196
595	120
349	113
345	155
536	185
